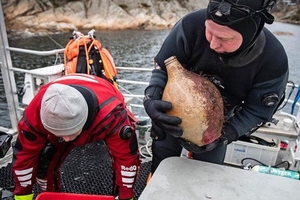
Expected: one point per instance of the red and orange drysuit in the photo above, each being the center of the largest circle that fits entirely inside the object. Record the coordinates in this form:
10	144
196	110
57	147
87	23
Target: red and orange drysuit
107	118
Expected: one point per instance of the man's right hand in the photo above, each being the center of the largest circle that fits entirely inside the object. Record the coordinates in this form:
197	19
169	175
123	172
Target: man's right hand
162	123
156	108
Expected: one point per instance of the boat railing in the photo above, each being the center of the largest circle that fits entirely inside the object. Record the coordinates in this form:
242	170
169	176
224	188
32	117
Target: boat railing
43	75
35	78
35	52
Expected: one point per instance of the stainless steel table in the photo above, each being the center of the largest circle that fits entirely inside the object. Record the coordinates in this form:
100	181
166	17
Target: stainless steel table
179	178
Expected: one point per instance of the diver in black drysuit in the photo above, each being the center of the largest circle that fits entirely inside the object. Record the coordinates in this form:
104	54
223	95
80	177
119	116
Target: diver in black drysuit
252	81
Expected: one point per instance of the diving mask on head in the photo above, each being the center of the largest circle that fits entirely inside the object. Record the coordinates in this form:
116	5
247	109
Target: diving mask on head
226	12
246	17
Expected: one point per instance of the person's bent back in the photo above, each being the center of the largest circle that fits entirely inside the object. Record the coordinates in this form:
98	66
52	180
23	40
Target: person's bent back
71	111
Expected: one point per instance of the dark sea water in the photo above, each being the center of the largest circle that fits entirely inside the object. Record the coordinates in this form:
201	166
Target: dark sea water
129	48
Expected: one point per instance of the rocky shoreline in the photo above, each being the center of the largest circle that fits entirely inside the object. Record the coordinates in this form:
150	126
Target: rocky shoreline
287	13
35	17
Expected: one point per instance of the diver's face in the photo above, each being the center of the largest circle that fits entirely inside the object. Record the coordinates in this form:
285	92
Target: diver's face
222	39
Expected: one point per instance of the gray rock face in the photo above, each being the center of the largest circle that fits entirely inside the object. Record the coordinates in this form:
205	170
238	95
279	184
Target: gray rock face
50	16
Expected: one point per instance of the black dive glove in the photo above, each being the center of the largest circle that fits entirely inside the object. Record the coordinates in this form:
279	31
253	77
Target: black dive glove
156	133
156	108
229	134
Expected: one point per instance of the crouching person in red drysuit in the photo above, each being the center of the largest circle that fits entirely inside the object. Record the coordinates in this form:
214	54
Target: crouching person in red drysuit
71	111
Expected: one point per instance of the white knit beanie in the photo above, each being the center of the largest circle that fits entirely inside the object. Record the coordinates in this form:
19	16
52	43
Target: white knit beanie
64	110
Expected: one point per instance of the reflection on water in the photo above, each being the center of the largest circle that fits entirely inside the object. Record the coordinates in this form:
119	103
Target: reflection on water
130	48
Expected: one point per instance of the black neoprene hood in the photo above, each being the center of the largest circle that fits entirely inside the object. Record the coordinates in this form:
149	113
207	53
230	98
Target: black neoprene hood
244	16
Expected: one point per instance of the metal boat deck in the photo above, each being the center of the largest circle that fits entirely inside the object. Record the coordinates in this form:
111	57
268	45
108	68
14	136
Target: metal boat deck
84	172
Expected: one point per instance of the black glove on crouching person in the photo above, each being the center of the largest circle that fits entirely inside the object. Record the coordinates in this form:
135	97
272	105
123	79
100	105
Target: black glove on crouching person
156	108
229	134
